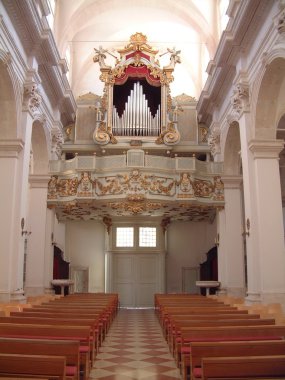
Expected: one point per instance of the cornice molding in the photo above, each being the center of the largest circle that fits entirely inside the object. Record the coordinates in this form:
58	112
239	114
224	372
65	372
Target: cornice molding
235	39
11	148
39	181
35	35
232	181
266	148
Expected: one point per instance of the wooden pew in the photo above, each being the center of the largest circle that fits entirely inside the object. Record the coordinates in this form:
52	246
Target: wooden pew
24	319
181	329
68	349
200	350
72	310
62	332
175	320
100	327
225	333
243	367
52	367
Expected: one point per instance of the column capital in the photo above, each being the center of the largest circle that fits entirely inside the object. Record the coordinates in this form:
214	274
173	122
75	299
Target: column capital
266	148
39	181
11	148
232	181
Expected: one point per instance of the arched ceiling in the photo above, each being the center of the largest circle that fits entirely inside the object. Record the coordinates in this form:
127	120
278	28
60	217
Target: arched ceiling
192	26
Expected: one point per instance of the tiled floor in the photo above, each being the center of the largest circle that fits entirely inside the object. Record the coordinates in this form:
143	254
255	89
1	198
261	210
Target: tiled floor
135	349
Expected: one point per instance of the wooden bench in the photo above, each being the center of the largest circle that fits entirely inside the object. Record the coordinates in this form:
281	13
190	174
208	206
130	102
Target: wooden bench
246	367
24	319
181	329
62	332
52	367
225	333
68	349
98	325
200	350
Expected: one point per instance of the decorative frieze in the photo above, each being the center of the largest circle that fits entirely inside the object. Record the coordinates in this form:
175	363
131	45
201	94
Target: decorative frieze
136	185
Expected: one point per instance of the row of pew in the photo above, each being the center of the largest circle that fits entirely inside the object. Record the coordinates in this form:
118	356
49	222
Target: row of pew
210	339
56	338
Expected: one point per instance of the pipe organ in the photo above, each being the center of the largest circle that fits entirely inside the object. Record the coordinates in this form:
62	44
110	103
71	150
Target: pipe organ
130	107
137	119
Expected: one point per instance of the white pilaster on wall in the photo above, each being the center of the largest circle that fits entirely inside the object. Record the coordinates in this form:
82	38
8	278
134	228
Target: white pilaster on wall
36	261
250	212
269	219
21	211
10	231
233	240
221	247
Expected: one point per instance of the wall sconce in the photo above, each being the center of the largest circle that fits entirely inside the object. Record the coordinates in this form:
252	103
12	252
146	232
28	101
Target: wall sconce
217	240
24	232
247	226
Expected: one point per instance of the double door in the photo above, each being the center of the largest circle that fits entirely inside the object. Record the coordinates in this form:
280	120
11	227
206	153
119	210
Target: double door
137	277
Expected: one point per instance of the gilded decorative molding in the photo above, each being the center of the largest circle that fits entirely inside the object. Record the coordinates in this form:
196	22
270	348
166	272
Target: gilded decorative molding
203	134
136	186
136	206
67	187
137	60
102	135
138	41
85	185
53	187
170	135
186	185
218	189
68	131
135	183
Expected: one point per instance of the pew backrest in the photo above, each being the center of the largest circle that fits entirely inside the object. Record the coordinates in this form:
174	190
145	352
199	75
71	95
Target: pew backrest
243	366
34	365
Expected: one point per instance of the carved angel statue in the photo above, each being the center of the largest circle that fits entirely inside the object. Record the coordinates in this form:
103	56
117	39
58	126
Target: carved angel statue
174	57
100	57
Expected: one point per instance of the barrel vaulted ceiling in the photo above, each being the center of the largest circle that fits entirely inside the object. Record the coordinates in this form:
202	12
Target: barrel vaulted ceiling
192	26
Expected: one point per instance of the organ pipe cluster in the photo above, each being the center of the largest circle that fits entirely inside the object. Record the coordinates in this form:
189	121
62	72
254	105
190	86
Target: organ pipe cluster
136	119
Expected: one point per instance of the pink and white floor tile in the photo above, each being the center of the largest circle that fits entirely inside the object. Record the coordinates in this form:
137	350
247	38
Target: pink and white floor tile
135	349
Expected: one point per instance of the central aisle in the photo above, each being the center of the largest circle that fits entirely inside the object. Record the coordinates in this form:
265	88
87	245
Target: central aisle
135	349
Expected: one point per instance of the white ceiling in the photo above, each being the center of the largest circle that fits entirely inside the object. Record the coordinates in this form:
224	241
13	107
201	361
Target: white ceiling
192	26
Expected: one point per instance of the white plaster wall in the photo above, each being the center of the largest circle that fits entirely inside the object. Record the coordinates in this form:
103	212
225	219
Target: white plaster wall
85	246
187	244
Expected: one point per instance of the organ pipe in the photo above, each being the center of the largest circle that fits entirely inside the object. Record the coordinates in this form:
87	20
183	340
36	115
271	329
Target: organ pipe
136	119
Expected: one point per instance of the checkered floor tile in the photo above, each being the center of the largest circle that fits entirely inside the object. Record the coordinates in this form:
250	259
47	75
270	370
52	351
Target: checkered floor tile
135	349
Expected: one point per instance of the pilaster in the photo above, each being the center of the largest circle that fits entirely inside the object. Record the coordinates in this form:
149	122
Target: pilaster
269	219
234	257
36	260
